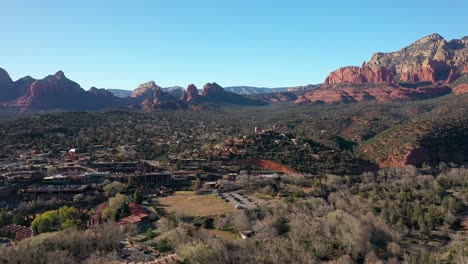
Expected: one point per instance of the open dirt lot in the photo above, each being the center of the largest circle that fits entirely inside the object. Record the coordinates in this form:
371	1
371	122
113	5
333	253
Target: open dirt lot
195	205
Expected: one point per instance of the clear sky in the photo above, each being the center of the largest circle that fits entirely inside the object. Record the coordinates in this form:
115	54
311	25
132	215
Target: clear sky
120	44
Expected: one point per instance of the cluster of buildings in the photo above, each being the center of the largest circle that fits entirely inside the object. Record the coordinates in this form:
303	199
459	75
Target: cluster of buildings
70	174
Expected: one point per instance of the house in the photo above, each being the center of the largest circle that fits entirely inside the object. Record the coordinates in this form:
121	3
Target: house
22	177
70	168
115	167
137	215
156	178
16	232
89	177
51	191
57	179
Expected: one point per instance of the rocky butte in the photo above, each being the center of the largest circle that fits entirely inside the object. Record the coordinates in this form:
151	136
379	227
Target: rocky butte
190	94
144	90
214	93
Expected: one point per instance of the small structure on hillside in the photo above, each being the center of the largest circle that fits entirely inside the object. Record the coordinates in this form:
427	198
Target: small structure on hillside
16	232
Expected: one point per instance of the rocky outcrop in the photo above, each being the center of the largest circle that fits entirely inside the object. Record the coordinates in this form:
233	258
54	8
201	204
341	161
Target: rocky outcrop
429	59
418	71
365	74
460	89
452	76
22	85
428	71
101	92
7	88
213	90
4	76
191	94
145	90
160	100
214	93
52	92
383	92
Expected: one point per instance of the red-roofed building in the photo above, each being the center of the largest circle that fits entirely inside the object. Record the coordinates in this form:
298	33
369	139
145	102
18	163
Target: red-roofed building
138	214
16	231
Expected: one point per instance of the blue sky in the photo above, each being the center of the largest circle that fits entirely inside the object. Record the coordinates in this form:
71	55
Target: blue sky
120	44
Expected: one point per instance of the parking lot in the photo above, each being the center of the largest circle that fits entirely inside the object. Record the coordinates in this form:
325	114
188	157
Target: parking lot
239	200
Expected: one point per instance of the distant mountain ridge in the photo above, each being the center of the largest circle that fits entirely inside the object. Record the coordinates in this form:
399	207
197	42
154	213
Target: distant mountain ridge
175	90
427	68
254	90
243	90
120	92
57	92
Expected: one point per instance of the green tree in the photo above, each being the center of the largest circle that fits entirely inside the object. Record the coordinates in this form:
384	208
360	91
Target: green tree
150	234
164	245
66	213
137	197
72	223
78	198
5	218
46	222
19	219
114	188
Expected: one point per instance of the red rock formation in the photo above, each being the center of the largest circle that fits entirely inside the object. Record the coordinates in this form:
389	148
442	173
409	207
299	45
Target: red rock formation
54	84
145	90
432	91
384	92
460	89
160	100
269	165
213	90
452	76
365	74
413	156
429	59
101	92
58	92
465	69
190	94
425	73
216	94
22	85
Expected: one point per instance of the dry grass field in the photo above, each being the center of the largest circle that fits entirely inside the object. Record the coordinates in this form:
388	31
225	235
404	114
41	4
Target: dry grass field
190	204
